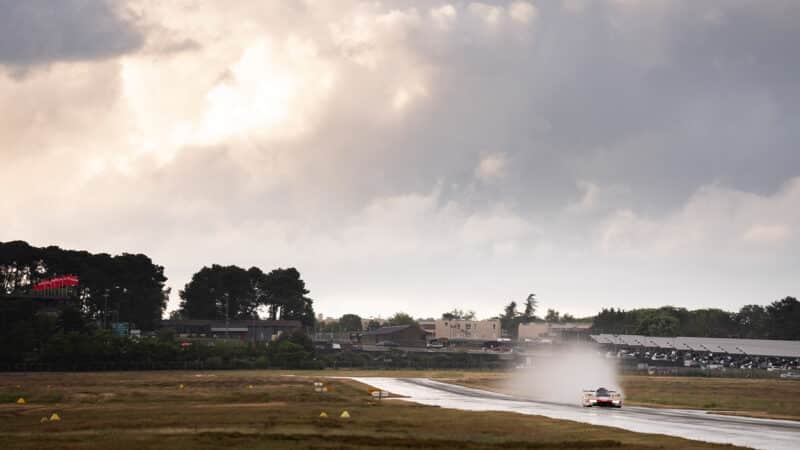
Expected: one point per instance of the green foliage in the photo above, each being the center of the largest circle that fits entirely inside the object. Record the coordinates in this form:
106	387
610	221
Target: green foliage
658	324
350	322
166	335
401	318
784	319
219	291
126	287
214	362
333	326
71	320
457	314
284	294
529	315
779	320
552	316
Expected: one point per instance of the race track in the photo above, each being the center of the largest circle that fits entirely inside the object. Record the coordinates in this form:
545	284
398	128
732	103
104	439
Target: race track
698	425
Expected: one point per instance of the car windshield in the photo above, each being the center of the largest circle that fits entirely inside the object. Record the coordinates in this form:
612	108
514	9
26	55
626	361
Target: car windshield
602	391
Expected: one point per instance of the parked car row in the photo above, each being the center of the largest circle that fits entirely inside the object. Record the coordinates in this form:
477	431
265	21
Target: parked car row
708	360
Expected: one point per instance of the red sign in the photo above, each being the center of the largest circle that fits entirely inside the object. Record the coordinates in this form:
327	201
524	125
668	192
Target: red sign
57	282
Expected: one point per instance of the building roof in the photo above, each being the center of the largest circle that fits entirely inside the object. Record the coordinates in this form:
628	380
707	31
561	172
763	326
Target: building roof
757	347
571	326
386	330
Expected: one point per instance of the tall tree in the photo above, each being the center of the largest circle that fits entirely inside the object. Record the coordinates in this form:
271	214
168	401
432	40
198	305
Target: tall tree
350	322
784	319
752	321
401	318
218	292
509	320
286	296
529	315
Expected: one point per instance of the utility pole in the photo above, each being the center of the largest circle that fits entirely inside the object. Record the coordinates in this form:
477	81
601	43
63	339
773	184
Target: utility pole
105	310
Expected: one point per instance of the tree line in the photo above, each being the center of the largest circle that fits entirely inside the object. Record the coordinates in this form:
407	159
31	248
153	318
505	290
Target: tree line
218	292
122	288
127	288
778	320
131	288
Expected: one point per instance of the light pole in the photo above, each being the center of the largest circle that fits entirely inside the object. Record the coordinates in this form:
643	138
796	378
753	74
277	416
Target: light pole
105	310
227	322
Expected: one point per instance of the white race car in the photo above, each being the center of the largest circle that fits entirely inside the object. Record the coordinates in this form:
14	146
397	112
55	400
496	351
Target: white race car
602	397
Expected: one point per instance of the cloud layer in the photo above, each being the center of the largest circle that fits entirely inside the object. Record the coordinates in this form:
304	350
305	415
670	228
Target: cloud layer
417	156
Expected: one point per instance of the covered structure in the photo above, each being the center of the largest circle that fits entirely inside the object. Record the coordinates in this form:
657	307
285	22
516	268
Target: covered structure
747	347
246	330
399	335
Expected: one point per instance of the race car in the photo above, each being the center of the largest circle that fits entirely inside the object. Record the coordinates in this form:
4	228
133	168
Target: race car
602	397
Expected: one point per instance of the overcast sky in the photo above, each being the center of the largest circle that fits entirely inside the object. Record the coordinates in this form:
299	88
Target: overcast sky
416	156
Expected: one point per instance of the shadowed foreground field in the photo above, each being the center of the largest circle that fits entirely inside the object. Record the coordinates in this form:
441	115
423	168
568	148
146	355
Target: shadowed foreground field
141	410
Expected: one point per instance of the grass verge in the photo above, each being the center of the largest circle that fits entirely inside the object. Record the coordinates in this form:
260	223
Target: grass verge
143	410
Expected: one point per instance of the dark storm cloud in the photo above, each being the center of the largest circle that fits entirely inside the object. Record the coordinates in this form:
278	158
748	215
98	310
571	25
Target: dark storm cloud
663	97
43	31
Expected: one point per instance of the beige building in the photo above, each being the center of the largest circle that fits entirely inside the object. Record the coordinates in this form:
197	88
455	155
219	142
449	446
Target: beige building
558	331
533	330
487	330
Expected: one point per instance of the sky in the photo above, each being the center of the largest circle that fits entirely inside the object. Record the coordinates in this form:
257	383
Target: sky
416	156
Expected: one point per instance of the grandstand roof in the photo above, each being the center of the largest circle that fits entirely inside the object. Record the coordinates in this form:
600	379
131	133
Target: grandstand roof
758	347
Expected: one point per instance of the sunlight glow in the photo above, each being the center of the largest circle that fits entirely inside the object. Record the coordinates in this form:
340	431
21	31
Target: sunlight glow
255	94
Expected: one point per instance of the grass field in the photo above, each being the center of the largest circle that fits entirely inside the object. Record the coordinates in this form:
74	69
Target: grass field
143	410
773	398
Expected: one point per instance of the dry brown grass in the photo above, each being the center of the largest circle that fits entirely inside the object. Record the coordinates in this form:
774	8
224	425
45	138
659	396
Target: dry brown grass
142	410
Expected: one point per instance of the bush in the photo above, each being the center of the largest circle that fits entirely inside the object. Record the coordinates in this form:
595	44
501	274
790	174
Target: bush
214	362
262	362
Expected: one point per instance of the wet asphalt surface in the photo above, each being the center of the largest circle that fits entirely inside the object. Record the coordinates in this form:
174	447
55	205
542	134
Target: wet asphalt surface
689	424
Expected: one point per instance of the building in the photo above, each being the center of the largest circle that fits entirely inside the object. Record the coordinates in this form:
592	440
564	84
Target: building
246	330
399	335
533	331
429	326
458	329
572	331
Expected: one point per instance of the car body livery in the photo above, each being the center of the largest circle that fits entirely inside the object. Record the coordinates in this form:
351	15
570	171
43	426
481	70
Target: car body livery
602	397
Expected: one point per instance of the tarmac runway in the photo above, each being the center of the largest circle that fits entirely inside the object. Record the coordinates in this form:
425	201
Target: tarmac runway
689	424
